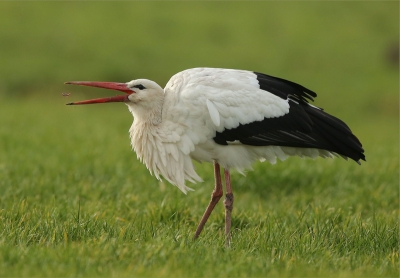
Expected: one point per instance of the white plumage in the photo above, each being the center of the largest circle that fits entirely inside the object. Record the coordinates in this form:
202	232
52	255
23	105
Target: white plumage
229	117
197	103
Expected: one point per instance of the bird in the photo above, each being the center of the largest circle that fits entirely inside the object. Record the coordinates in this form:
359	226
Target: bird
228	117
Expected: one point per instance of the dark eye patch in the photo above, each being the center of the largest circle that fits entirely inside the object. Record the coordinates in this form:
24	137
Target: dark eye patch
139	86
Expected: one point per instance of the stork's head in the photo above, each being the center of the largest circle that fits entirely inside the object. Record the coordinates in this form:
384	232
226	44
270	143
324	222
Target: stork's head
141	95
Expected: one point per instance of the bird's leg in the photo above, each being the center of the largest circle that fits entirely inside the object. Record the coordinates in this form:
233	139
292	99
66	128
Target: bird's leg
228	206
215	196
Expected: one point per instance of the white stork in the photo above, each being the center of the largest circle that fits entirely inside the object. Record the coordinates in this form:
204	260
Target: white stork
229	117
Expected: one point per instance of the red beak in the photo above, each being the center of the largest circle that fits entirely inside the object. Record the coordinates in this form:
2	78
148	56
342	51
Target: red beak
105	85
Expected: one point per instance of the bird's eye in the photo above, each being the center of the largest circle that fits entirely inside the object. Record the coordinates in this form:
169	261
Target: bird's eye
139	86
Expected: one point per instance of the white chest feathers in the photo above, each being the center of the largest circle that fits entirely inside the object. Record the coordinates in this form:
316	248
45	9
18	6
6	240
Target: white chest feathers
161	154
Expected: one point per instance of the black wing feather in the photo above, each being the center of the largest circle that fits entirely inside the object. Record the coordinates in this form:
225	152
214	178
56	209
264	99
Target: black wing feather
284	88
305	126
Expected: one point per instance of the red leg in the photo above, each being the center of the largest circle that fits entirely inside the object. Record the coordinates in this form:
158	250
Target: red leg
215	196
228	206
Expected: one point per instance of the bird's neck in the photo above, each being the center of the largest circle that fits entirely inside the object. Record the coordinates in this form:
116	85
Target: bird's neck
143	132
143	138
146	143
147	115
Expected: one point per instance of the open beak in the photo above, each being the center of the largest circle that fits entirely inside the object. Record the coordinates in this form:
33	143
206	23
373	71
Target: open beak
105	85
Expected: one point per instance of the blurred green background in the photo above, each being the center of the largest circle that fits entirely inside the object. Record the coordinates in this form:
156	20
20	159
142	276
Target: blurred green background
56	160
340	49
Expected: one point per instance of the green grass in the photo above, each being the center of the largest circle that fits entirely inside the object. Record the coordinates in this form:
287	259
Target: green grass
75	202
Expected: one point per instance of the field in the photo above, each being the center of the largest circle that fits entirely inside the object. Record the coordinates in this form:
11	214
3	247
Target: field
75	201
